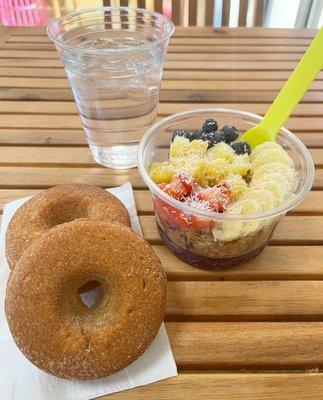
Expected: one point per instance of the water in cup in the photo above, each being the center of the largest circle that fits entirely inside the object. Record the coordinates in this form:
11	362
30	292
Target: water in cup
114	70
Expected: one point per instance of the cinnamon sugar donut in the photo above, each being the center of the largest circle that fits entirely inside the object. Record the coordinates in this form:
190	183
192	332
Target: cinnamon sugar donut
49	322
55	206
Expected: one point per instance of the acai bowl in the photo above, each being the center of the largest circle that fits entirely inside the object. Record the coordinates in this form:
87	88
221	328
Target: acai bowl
217	202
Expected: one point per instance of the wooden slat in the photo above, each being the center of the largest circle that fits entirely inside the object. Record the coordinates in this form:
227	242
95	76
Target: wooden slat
169	74
32	177
166	95
251	85
176	65
45	54
247	345
243	32
273	263
209	32
291	229
208	49
75	137
256	301
220	386
73	122
252	41
164	109
237	41
5	33
73	156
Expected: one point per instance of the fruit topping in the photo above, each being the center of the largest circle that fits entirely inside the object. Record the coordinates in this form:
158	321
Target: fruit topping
230	132
182	147
181	133
221	150
241	148
212	137
218	197
180	187
210	125
161	172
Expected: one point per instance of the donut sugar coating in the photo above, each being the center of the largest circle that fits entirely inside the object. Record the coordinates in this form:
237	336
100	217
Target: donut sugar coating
55	206
47	318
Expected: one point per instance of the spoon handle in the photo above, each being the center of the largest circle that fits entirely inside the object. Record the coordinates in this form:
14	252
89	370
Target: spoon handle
295	87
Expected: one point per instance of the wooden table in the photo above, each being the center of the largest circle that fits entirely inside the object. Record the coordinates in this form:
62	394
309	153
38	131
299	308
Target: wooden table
251	332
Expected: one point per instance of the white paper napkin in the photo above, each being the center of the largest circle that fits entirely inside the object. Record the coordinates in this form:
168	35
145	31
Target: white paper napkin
21	380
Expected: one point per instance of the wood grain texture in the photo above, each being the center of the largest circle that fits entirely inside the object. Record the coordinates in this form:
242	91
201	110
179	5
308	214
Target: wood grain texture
250	345
224	325
219	386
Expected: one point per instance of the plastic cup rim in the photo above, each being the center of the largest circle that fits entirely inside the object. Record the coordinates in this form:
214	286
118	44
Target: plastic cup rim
55	23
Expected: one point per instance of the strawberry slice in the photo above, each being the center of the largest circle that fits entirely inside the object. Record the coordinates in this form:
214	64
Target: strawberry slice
180	187
170	216
202	224
218	196
176	219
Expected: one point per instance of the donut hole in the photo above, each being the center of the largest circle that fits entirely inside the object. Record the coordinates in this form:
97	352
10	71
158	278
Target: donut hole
91	294
67	210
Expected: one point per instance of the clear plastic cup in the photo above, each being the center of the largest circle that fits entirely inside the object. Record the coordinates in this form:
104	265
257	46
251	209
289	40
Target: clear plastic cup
200	247
113	59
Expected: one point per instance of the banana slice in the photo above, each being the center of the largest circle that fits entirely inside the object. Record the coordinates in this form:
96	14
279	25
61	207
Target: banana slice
232	230
269	156
265	198
277	168
272	186
262	147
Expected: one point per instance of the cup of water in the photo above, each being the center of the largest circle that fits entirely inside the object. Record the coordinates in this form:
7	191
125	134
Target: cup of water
113	59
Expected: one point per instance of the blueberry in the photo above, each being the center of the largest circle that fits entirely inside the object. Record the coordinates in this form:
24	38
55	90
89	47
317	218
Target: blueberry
210	125
241	148
231	133
195	135
181	132
212	137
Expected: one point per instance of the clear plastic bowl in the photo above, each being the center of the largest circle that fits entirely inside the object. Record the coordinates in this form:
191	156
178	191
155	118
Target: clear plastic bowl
201	247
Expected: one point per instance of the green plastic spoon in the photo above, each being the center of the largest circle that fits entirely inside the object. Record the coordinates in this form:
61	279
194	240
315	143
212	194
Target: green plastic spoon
289	96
